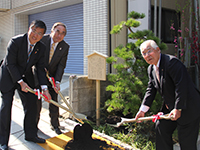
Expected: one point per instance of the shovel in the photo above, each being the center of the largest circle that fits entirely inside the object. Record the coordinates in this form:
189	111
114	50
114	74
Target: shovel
61	95
127	120
77	116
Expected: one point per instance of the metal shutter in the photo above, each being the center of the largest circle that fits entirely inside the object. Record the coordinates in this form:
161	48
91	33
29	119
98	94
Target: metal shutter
72	16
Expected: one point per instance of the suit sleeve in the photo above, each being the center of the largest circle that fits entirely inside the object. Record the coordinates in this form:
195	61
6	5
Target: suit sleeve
62	65
11	61
178	73
150	91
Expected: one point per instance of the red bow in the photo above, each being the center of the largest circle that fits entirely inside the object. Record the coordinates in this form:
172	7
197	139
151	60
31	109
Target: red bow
51	79
157	117
38	93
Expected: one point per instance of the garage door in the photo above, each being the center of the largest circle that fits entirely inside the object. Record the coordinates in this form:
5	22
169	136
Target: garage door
72	16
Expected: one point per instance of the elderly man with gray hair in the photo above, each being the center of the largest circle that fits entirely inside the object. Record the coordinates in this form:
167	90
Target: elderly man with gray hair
181	99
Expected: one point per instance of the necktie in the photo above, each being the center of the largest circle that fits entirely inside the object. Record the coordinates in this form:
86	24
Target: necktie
157	73
29	52
51	52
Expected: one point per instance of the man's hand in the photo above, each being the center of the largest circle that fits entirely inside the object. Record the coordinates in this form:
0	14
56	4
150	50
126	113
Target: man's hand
46	93
24	86
57	88
175	113
139	114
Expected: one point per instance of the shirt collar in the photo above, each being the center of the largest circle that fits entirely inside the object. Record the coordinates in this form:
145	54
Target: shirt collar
53	42
29	42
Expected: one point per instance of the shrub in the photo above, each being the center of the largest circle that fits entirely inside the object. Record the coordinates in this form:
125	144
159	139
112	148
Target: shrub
130	82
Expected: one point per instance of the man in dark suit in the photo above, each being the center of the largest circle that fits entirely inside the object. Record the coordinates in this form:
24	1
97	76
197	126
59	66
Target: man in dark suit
23	52
55	63
180	96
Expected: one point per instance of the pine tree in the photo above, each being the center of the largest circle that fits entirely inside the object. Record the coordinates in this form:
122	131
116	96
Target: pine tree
130	82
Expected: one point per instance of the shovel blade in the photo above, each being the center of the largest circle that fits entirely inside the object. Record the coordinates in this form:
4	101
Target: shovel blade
81	116
113	125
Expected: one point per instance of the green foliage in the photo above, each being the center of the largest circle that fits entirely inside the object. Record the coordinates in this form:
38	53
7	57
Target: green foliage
139	135
136	15
117	28
130	82
108	130
144	135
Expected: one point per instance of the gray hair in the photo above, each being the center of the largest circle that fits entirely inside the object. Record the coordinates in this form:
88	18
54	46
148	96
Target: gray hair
151	42
59	24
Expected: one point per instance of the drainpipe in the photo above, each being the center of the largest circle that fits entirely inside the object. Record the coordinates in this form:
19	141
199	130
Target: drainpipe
197	53
155	17
10	4
159	21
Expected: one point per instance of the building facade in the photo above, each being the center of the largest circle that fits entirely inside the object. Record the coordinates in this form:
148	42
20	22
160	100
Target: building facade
88	24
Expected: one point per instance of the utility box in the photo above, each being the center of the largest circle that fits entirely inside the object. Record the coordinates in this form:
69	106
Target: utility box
97	66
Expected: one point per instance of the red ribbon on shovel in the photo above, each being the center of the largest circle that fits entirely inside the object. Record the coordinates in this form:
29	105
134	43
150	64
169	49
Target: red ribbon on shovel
157	116
38	93
52	80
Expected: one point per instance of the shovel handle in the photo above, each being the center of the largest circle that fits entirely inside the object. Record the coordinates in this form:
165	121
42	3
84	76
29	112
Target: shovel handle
68	105
57	104
146	118
58	91
124	120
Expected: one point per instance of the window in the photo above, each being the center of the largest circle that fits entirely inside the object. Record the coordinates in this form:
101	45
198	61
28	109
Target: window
168	17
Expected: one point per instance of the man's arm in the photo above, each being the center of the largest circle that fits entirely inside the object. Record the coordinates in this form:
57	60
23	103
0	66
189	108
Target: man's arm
11	61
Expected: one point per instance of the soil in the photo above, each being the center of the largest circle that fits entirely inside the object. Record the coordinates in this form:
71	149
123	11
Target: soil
113	119
82	140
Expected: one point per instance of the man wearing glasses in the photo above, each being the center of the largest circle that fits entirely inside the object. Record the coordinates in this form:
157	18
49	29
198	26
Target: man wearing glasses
23	52
55	63
181	99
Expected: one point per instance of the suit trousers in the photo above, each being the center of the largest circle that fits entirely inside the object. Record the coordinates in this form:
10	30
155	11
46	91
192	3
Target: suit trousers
53	110
29	102
30	108
187	134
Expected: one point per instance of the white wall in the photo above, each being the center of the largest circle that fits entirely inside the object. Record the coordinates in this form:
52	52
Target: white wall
141	6
6	31
95	18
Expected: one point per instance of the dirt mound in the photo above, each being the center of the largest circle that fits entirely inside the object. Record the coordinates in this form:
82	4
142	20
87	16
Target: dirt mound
82	140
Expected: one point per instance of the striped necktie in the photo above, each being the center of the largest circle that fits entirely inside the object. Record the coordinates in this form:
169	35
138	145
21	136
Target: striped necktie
51	52
29	52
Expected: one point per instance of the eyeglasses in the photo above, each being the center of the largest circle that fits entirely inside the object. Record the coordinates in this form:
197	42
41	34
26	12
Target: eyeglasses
147	52
59	33
34	31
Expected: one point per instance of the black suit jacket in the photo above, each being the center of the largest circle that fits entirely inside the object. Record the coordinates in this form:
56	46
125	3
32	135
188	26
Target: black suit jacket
176	88
59	59
15	66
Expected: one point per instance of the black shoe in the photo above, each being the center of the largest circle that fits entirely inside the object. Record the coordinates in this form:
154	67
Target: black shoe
3	147
36	140
57	130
